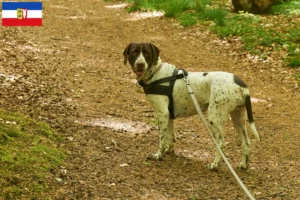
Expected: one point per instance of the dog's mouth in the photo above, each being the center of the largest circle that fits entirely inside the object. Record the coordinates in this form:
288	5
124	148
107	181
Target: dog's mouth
139	73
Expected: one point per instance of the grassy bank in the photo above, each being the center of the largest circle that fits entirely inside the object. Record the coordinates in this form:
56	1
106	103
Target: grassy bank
260	34
28	155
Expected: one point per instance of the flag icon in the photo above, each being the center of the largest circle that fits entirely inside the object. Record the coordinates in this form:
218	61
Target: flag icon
22	13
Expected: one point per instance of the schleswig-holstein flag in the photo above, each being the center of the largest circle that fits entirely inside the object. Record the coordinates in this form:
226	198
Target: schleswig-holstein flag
21	13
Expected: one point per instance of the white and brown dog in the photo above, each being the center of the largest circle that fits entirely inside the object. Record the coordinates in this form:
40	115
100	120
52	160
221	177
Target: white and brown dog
219	93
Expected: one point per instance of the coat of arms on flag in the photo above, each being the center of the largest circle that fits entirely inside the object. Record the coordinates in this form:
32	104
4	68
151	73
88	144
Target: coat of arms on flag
21	13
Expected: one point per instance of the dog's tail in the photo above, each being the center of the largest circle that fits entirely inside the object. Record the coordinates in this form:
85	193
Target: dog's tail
250	116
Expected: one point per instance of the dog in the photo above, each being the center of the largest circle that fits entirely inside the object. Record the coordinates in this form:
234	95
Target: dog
253	6
220	93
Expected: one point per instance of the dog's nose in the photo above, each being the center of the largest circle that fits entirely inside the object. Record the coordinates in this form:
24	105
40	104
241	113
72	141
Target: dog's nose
140	66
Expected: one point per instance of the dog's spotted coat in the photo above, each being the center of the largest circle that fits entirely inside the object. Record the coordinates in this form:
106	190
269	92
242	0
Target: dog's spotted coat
219	93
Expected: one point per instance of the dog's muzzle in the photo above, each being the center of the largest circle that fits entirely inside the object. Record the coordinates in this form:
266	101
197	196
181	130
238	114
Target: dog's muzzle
140	69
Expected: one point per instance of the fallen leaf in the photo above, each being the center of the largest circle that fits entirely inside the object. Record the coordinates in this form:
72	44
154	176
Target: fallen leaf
58	179
124	165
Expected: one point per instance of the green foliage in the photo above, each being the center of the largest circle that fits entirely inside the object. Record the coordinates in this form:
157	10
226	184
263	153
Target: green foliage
293	41
237	25
241	25
294	61
294	35
288	7
28	152
200	5
293	50
137	5
260	37
187	19
254	31
143	5
173	8
213	14
198	9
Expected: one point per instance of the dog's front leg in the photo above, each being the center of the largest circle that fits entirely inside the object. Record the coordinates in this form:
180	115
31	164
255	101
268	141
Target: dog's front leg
166	136
166	127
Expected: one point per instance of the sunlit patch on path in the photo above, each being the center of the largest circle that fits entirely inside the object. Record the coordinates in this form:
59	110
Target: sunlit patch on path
135	16
60	7
10	47
144	15
117	124
256	100
116	6
197	155
154	194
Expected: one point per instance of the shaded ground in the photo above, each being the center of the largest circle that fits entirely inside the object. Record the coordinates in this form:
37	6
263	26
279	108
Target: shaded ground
70	73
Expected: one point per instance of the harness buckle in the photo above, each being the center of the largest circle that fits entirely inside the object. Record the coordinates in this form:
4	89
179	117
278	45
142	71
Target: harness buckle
138	87
137	84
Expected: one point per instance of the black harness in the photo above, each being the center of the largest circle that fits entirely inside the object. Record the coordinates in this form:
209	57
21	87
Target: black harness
156	88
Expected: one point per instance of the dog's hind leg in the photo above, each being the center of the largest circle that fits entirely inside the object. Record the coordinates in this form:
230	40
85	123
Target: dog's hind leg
238	117
217	133
216	120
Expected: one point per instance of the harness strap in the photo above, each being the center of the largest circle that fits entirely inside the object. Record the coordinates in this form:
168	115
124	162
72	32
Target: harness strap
170	94
167	90
166	79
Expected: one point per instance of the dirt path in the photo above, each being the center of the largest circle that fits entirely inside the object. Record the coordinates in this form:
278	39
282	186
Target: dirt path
110	129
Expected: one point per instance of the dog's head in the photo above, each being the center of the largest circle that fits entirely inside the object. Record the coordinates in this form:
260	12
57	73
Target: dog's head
141	56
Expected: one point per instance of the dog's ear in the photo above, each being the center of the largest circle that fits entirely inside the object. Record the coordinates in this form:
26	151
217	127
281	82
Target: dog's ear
126	53
155	53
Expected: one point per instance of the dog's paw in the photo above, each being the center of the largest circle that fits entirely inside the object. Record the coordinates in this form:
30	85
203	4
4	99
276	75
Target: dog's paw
169	150
243	166
213	166
155	156
161	153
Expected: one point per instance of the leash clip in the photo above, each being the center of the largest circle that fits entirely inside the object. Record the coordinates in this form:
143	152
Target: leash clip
186	80
185	75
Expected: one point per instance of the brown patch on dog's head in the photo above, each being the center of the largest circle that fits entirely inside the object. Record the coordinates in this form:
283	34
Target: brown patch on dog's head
149	51
155	53
126	53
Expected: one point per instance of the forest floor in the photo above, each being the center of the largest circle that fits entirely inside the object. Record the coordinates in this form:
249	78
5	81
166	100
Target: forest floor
70	73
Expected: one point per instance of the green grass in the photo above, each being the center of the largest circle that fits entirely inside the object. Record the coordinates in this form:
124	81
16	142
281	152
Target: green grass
187	19
256	32
171	7
251	31
201	5
213	14
294	61
28	154
174	7
288	7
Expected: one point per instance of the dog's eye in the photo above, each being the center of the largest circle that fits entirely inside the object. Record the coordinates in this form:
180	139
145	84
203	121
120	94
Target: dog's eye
134	53
146	53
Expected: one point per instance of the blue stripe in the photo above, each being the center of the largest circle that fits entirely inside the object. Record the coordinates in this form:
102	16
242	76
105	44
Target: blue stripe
27	5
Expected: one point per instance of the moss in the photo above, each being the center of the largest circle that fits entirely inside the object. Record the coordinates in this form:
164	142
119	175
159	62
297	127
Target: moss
28	154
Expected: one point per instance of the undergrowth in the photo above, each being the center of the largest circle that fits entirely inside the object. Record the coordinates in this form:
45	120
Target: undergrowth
28	154
255	31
